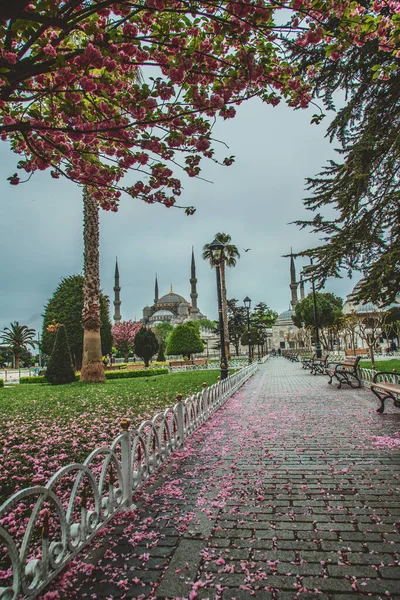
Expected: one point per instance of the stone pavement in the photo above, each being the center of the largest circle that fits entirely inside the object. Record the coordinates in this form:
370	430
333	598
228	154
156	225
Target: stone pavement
284	494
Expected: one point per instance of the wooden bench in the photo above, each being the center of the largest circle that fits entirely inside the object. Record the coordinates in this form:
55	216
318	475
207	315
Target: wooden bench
181	363
199	362
345	371
386	385
306	361
318	365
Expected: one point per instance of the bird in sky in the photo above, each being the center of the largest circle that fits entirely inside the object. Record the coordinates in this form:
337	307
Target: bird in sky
246	249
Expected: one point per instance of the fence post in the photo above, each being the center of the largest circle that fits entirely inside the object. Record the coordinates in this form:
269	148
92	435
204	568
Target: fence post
205	398
126	465
181	426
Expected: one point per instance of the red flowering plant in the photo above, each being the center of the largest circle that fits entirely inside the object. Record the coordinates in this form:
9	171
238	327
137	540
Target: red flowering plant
124	334
72	99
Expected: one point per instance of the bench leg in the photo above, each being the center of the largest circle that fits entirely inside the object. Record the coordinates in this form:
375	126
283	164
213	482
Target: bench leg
382	396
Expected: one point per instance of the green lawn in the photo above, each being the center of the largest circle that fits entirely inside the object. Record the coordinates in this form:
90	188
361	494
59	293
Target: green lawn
382	365
43	427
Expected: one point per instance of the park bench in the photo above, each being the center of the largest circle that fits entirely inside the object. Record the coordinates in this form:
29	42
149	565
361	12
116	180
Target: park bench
357	352
186	364
306	361
290	355
199	362
386	385
318	365
345	371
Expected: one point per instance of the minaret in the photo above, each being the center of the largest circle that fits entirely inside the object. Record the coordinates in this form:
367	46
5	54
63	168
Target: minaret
156	291
117	301
293	284
194	311
301	289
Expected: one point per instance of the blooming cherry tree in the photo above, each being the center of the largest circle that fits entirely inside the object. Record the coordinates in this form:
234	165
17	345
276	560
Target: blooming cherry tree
124	334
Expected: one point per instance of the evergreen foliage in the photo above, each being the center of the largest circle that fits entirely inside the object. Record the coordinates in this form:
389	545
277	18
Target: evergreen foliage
18	337
161	354
237	322
65	307
329	310
59	368
146	345
185	339
362	186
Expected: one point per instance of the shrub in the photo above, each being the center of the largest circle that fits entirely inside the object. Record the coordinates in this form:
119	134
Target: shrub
40	379
132	374
146	345
1	383
108	375
60	369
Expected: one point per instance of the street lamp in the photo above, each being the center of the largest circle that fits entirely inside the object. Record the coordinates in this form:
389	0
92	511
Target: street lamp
310	272
216	249
247	304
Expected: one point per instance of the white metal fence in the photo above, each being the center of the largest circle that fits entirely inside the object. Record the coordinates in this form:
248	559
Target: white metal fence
42	528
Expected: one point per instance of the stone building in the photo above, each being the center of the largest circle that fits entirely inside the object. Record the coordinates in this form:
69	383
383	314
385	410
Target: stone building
171	308
284	331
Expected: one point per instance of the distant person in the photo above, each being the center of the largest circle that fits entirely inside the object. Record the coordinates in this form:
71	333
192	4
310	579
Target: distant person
393	346
279	351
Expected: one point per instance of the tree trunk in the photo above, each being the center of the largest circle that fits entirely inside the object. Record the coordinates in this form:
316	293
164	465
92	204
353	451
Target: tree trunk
224	309
92	363
371	353
17	356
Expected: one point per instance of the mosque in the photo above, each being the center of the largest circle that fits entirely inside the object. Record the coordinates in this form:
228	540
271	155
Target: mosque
171	308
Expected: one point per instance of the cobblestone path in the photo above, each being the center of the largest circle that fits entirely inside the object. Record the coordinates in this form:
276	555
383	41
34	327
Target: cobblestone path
284	494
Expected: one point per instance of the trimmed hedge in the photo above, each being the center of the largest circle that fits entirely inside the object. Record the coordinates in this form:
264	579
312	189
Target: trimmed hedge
131	374
1	383
107	374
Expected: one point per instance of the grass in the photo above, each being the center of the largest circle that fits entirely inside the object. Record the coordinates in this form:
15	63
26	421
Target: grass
45	427
382	365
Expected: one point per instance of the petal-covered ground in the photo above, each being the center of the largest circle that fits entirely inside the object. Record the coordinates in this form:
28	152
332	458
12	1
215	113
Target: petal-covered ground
290	491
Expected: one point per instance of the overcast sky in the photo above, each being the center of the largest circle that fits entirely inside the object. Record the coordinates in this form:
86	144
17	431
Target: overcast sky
253	201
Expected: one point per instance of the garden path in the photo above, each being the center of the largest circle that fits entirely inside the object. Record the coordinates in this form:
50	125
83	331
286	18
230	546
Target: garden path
290	491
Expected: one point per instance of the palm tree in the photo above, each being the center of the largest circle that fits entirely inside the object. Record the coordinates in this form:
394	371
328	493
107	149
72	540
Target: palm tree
92	360
17	337
229	257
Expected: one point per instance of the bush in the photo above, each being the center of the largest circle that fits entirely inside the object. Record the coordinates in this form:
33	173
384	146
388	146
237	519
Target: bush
132	374
60	369
39	379
1	383
108	375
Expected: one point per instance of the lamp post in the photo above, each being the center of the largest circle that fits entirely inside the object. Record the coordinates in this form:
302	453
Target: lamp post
310	271
247	304
216	248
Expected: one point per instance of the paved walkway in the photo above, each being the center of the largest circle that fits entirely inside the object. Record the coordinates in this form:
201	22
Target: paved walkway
284	494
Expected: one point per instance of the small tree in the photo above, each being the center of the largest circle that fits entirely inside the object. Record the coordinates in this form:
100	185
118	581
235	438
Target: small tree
146	345
124	334
185	339
369	329
329	313
237	323
60	369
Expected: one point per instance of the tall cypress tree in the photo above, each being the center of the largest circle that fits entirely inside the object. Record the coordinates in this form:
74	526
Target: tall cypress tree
60	369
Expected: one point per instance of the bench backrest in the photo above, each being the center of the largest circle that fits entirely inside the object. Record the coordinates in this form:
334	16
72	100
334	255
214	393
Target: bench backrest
351	361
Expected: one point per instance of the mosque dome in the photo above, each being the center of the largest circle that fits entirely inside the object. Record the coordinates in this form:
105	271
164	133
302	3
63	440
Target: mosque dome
285	316
161	313
171	298
351	305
